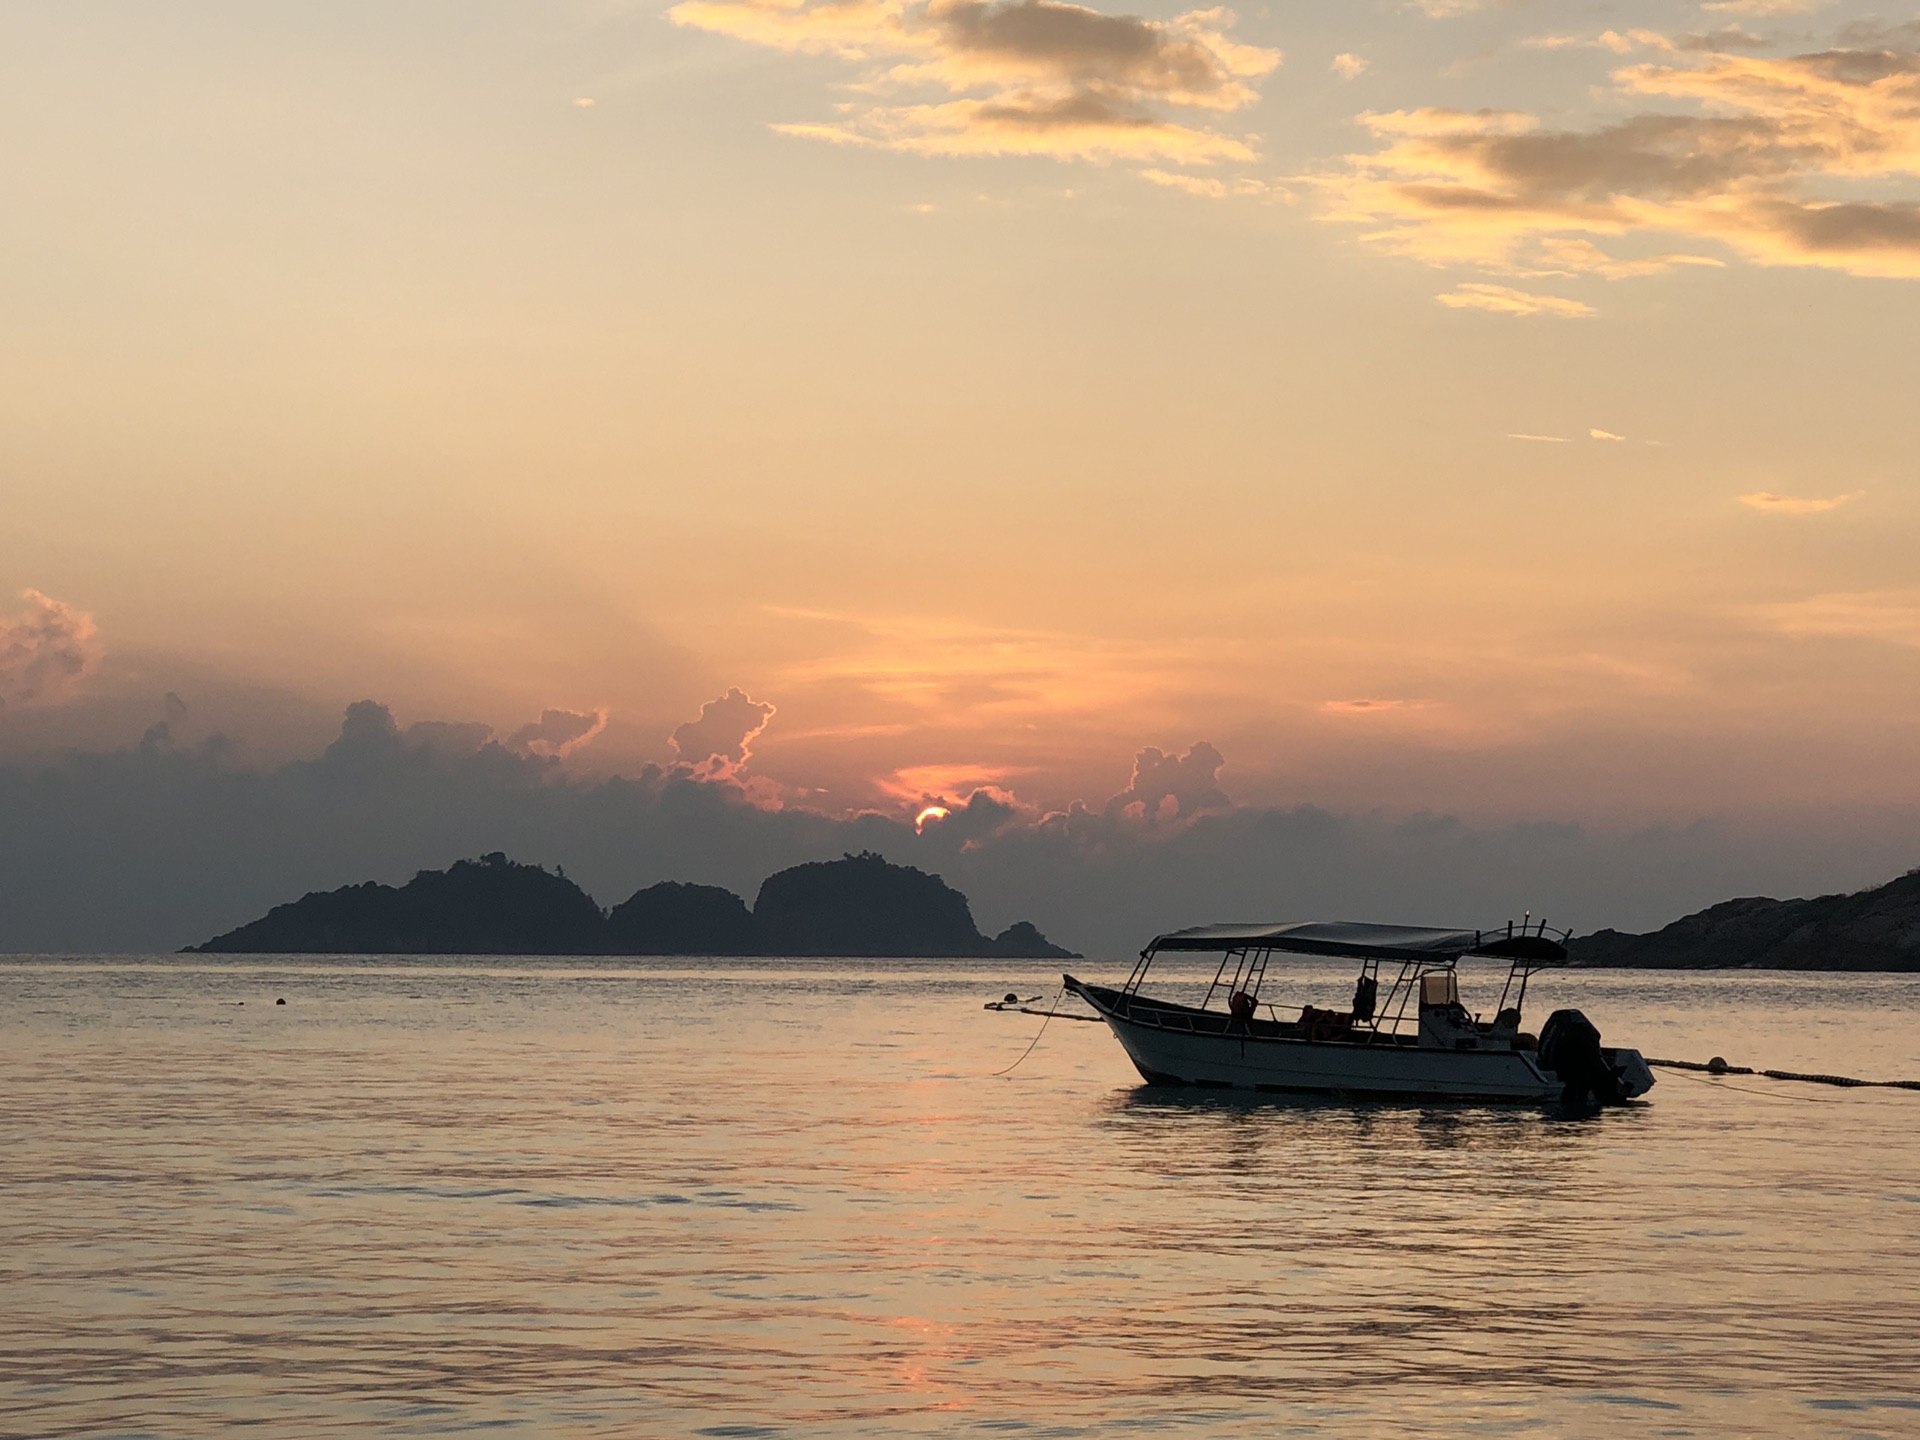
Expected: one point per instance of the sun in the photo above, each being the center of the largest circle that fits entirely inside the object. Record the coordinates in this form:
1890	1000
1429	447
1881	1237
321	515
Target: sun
932	812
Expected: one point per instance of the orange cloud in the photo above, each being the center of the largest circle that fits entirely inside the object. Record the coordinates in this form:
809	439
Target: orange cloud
1019	77
1802	160
936	667
1369	706
916	783
1765	7
1505	300
46	651
1213	188
1796	504
1891	616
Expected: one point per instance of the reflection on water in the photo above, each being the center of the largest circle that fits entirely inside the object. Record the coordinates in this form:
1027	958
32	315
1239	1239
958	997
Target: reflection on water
765	1199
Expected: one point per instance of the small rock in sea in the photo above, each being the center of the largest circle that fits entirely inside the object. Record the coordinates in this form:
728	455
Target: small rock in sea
281	1001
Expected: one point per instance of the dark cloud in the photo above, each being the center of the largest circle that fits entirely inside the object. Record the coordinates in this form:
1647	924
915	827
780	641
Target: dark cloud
45	650
1106	52
1848	228
1876	34
1859	67
1165	787
720	741
156	846
1656	155
1731	38
558	732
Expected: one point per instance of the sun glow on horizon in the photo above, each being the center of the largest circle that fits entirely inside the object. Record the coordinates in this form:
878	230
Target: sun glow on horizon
931	813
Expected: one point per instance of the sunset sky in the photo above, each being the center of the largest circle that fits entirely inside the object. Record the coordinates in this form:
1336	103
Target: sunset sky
1507	410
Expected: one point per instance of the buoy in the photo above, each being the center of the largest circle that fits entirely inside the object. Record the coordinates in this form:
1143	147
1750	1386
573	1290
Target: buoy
281	1001
1010	999
1718	1066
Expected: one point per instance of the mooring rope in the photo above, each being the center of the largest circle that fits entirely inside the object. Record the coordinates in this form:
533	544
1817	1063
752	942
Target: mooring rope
1005	1009
1717	1066
1036	1034
1719	1082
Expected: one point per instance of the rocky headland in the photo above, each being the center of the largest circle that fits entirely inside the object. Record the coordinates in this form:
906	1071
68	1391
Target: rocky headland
858	905
1875	929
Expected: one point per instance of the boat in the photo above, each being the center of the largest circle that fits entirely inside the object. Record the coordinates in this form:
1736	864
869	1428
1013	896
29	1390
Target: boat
1404	1035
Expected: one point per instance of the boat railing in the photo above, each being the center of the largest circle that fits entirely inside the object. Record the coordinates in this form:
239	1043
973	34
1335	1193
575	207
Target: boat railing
1243	969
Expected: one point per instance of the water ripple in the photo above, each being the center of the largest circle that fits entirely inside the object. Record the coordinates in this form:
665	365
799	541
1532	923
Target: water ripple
789	1200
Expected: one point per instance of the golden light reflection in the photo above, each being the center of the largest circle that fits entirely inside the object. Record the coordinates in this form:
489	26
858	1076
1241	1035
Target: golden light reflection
931	813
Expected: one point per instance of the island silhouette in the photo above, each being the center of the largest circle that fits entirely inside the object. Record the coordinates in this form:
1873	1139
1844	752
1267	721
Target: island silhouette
858	905
1877	929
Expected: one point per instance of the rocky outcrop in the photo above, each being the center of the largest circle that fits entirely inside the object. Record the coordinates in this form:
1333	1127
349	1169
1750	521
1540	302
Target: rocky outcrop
489	906
861	905
858	905
675	919
1872	930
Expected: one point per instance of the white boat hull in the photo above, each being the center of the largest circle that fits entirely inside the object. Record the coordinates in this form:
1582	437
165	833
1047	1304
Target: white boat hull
1166	1053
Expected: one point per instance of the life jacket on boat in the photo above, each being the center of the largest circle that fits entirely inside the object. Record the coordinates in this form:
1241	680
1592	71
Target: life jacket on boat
1366	993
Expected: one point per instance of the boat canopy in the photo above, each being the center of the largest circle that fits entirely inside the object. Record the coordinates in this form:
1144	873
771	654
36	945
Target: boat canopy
1358	940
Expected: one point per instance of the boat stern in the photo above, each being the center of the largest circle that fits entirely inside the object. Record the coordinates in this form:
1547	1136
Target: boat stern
1635	1075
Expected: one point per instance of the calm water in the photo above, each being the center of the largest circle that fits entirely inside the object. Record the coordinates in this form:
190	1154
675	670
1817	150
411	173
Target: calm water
762	1199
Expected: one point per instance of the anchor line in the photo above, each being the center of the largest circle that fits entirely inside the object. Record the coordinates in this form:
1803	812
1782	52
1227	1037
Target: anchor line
1720	1067
1036	1036
1747	1089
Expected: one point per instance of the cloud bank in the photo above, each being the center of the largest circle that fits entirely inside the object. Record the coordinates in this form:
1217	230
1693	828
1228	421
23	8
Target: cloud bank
1020	77
159	845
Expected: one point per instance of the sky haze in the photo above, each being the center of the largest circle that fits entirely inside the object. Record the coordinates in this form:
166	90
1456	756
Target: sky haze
1497	416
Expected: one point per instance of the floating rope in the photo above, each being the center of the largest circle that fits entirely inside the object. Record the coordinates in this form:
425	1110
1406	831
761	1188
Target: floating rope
1717	1066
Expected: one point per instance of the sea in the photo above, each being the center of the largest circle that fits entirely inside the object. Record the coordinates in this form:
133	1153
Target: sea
807	1198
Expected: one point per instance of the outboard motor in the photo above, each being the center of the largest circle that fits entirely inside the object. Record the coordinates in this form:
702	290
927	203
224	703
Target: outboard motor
1570	1047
